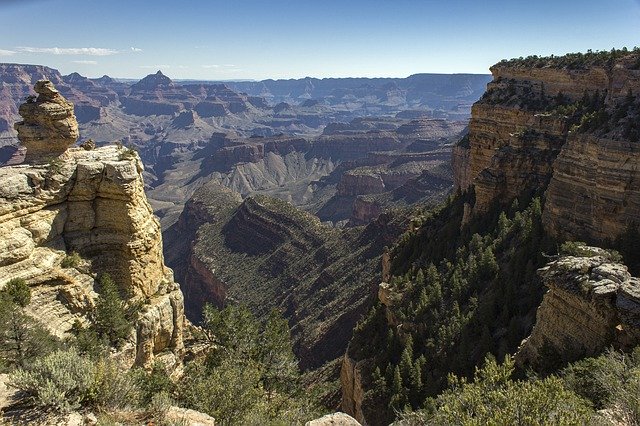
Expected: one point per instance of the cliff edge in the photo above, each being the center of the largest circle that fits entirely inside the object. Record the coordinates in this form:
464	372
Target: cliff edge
91	202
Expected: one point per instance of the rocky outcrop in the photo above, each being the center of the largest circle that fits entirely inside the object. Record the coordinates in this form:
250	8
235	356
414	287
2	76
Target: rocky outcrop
364	210
352	387
93	203
49	126
354	183
592	303
335	419
515	133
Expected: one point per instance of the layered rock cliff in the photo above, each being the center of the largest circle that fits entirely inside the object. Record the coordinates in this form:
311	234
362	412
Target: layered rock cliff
568	126
91	202
592	303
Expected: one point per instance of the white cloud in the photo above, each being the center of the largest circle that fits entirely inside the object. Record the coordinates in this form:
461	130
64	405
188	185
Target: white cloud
85	62
136	49
161	66
219	66
6	52
90	51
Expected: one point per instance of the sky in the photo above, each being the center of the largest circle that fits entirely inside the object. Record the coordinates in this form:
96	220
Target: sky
260	39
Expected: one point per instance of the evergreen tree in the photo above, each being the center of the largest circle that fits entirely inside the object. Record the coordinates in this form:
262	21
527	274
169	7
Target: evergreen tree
110	320
17	291
279	370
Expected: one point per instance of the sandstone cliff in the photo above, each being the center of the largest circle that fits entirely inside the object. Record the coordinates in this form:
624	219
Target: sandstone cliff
592	303
567	128
91	202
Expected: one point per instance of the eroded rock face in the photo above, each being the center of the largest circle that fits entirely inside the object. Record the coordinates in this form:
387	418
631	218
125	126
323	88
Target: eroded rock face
595	190
92	203
515	137
352	387
592	303
49	125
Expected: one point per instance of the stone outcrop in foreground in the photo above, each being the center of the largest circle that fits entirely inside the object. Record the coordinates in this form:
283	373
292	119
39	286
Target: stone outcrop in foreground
49	126
592	303
93	203
89	202
335	419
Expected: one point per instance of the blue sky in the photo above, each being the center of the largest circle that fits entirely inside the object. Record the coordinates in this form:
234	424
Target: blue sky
258	39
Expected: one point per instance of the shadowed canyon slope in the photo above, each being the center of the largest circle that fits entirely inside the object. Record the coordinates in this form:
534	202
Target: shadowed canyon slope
265	253
551	155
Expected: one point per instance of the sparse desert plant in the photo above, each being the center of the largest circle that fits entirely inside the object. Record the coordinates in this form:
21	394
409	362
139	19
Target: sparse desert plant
159	406
55	165
128	153
72	260
62	380
114	387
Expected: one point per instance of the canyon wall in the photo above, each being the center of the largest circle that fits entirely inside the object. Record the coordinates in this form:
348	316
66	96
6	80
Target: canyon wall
522	139
592	303
92	202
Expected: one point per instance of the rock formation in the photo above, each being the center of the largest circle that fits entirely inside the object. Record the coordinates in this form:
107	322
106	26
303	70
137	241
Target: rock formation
335	419
93	203
49	126
520	127
592	303
594	194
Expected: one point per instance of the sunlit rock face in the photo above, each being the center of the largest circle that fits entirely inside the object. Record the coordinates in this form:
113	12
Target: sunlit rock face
49	125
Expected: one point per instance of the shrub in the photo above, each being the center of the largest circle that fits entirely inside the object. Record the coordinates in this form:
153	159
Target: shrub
128	153
494	398
153	382
18	292
62	380
159	407
71	260
113	387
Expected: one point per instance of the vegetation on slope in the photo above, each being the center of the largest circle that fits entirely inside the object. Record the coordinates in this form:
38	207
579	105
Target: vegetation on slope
575	60
248	373
457	296
609	383
268	255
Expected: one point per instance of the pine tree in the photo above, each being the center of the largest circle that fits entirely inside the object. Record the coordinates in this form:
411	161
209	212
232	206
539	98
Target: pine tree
279	370
110	316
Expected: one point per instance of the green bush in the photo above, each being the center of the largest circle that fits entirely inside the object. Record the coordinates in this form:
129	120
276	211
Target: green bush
153	382
17	291
159	407
494	398
113	387
610	381
72	260
62	380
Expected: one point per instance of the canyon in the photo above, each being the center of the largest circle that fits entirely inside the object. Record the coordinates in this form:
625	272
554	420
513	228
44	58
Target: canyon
401	243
